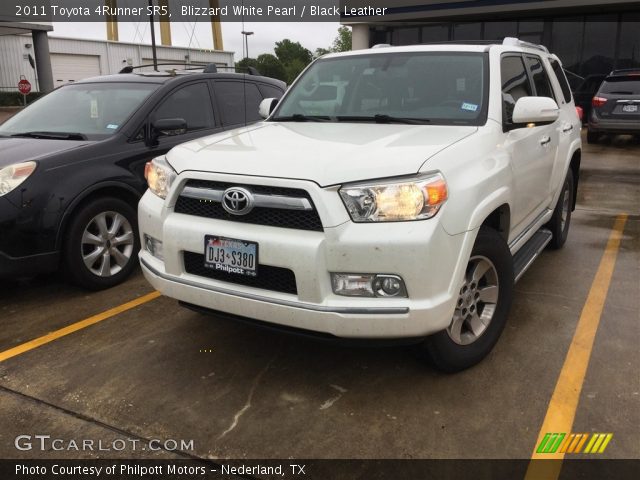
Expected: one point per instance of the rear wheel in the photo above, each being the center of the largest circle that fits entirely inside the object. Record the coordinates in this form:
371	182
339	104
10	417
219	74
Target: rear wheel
592	137
561	219
481	309
102	244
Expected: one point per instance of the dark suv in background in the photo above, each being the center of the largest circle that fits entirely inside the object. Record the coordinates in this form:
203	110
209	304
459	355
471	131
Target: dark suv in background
616	106
72	164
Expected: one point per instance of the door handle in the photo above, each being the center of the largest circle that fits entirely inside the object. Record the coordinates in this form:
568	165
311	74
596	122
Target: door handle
567	128
545	141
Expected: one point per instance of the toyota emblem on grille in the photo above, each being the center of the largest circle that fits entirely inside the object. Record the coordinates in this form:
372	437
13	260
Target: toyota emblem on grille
237	201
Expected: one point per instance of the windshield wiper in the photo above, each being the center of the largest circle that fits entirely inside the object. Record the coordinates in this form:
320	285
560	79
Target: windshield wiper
52	135
381	118
299	117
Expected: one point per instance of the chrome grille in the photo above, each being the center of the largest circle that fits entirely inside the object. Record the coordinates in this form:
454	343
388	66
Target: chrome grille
275	206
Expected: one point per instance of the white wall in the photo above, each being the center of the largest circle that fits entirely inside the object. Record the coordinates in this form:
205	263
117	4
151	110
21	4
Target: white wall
113	55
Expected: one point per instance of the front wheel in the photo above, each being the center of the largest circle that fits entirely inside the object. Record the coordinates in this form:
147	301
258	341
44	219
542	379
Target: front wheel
481	309
102	244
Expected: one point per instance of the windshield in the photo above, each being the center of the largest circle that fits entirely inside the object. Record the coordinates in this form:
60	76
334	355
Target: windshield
92	110
435	87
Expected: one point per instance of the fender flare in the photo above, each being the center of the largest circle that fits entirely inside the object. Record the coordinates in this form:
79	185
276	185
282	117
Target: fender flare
87	192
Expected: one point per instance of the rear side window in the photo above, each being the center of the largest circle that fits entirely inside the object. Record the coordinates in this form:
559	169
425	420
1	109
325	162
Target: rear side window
191	103
269	91
515	85
562	80
231	97
621	86
540	78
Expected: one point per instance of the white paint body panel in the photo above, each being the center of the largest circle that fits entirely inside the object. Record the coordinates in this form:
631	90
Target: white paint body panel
484	168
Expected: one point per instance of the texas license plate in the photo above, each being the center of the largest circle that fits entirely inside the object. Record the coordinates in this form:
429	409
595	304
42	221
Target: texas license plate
231	255
630	108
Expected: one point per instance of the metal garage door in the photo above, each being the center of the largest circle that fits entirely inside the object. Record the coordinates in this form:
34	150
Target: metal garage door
69	68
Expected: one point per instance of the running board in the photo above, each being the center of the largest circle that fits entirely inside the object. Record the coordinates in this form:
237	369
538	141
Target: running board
523	259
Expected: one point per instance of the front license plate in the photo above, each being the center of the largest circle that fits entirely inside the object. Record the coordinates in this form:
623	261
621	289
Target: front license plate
630	108
231	255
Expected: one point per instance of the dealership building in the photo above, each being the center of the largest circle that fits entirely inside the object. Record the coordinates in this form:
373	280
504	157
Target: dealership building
590	37
73	59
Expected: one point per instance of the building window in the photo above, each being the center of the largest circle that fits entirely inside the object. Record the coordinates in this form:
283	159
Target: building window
599	44
406	36
629	51
435	33
467	31
500	30
566	42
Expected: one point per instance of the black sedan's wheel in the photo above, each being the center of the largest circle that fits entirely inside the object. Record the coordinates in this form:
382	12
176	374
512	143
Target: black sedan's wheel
481	309
561	219
592	137
102	244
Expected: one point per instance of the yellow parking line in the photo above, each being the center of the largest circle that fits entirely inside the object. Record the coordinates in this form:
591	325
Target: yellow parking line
564	401
74	327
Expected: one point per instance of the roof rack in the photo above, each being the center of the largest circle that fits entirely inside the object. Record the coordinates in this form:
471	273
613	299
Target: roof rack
516	42
209	68
464	42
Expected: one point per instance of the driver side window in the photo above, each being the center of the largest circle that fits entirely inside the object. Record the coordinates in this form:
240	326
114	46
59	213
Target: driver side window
515	85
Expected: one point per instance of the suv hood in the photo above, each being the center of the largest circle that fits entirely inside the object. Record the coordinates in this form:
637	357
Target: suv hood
325	153
21	149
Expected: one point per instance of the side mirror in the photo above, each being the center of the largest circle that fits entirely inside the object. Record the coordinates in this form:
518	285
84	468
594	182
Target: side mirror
266	106
167	127
536	110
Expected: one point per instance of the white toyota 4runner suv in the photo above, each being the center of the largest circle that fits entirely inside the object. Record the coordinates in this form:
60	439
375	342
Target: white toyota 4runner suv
393	193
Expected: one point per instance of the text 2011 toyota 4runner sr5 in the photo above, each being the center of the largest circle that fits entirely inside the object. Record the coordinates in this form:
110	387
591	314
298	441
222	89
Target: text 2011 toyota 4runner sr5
393	193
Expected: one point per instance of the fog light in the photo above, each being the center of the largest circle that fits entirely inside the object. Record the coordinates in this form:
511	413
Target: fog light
153	246
389	286
367	285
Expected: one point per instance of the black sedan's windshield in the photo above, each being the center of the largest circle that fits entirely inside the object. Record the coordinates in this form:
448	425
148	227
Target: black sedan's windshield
90	110
400	87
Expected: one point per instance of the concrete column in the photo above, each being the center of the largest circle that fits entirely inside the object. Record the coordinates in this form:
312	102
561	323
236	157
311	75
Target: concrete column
43	60
359	36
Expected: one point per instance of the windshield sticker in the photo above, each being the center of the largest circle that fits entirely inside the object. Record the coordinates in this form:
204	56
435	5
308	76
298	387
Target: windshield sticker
472	107
94	108
112	126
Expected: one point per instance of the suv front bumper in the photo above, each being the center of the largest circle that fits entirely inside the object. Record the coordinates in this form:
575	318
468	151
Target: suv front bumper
422	253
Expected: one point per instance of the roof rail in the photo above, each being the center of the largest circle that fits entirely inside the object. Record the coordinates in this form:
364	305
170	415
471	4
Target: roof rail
381	45
516	42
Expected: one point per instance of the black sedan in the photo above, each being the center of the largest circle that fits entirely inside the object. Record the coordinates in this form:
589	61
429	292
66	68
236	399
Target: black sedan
72	164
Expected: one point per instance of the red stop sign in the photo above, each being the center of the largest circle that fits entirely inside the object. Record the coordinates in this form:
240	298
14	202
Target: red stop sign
24	86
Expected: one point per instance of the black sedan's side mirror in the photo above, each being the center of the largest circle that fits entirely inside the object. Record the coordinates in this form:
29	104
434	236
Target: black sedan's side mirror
167	127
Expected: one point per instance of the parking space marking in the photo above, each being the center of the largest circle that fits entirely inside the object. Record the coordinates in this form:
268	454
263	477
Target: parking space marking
564	401
74	327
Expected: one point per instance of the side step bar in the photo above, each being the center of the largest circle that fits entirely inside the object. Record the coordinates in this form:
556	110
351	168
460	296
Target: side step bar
523	259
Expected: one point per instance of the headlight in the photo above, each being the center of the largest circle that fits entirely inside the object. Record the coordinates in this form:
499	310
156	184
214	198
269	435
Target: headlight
14	175
160	176
395	200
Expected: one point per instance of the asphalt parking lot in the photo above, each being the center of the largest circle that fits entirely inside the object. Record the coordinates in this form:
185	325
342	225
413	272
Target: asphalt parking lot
157	371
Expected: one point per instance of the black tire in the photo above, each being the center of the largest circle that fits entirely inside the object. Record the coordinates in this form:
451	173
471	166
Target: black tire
592	137
451	356
75	250
558	227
